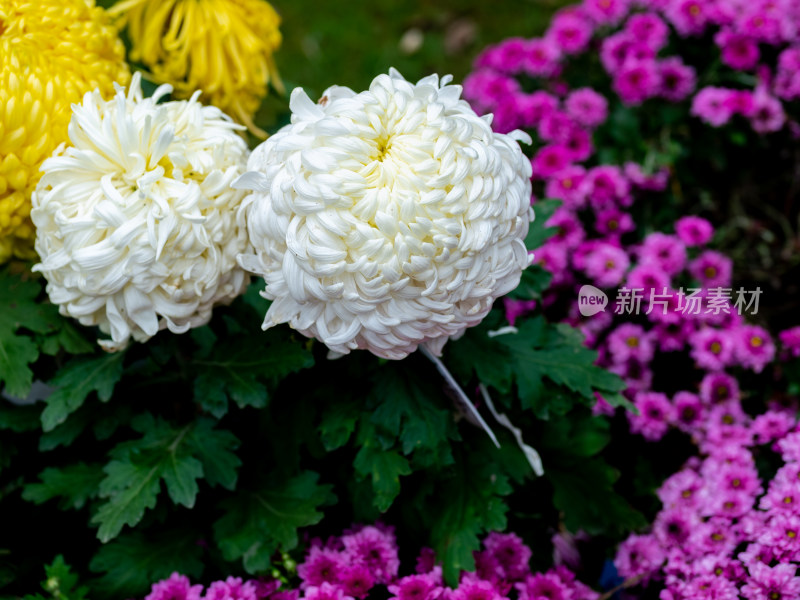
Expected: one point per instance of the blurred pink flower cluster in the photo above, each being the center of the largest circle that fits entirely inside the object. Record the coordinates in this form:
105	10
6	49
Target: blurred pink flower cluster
720	533
350	566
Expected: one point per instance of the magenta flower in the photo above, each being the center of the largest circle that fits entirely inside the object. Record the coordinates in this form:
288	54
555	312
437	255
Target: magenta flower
484	89
689	411
636	81
772	425
712	349
570	231
665	251
613	222
233	588
790	339
556	126
677	79
754	347
416	587
511	554
629	341
543	585
374	548
639	555
772	583
550	160
473	588
790	447
739	51
694	231
689	17
570	32
542	58
566	185
176	587
655	414
534	107
712	269
325	591
606	264
648	28
719	388
767	114
322	565
587	107
711	104
606	187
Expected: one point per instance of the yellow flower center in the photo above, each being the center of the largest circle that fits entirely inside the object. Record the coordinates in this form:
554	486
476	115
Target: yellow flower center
567	184
716	347
694	10
632	342
756	341
710	272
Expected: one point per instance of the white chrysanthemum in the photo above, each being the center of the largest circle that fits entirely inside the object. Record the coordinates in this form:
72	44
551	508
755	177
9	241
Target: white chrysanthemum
386	219
137	226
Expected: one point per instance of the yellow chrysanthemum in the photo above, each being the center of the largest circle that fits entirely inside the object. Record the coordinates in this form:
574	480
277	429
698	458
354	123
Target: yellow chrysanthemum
222	47
51	53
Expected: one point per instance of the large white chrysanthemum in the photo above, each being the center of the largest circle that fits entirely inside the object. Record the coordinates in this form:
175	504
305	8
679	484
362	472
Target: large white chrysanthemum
386	219
137	226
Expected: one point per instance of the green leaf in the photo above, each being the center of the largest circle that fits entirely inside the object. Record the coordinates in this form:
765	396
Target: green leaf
238	371
215	450
474	506
542	351
16	353
258	523
132	481
402	408
76	380
486	356
383	466
534	281
131	563
575	481
61	583
73	485
338	423
538	233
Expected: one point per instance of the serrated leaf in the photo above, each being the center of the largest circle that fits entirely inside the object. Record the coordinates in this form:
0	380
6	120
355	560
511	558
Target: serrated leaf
132	481
338	423
258	523
539	351
384	468
474	506
16	353
76	380
402	408
239	371
487	357
73	485
131	563
215	450
138	487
